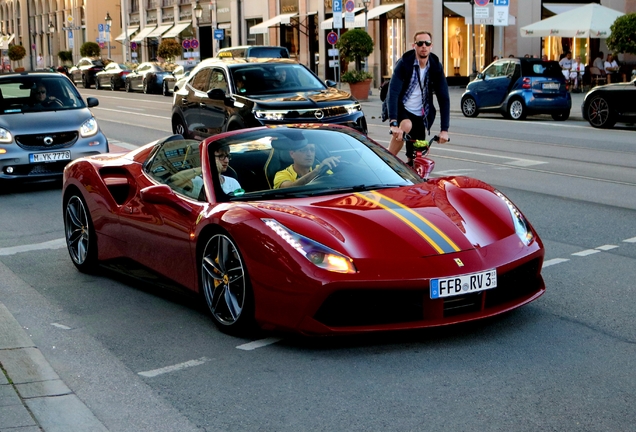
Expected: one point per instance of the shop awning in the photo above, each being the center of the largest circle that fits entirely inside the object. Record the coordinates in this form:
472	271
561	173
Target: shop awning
123	36
143	34
177	29
463	9
263	27
591	20
5	40
159	31
328	23
375	12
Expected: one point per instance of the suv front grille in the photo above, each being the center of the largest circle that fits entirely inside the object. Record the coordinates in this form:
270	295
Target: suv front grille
36	141
315	114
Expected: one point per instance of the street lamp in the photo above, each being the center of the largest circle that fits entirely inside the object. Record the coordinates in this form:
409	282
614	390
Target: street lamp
472	10
198	13
366	4
108	20
51	31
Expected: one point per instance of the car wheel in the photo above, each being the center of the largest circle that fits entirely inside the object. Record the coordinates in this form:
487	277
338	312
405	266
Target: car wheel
127	86
561	116
81	240
113	85
179	127
165	90
225	285
599	113
97	86
85	82
469	107
145	86
516	109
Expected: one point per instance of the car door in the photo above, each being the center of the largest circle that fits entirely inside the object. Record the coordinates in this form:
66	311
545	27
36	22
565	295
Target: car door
190	102
493	87
622	101
137	82
213	113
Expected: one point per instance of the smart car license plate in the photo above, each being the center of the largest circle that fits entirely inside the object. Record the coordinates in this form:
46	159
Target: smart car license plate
550	86
463	284
50	157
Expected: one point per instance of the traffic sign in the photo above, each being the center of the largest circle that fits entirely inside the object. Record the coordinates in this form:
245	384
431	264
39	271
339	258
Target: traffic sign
337	6
501	2
332	38
102	44
194	44
186	44
482	2
100	27
350	5
133	45
219	34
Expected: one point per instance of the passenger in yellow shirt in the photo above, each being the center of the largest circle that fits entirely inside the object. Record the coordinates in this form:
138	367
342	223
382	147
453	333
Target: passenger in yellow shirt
304	169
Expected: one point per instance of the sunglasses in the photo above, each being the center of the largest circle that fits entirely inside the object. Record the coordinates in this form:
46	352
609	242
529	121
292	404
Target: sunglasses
41	91
427	43
223	156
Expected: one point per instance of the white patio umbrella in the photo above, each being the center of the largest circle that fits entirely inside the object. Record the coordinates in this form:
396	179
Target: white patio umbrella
591	20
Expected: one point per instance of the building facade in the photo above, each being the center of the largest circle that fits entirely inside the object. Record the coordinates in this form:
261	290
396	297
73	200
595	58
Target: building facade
303	26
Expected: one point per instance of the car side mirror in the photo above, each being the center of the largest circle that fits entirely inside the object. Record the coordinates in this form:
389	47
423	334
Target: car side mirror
216	94
92	102
163	195
331	83
481	76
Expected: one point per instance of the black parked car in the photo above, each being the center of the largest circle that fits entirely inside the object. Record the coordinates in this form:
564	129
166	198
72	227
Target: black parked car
84	71
169	81
112	76
606	105
223	95
147	77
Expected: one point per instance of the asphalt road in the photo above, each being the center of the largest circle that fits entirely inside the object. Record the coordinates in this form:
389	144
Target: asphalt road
144	359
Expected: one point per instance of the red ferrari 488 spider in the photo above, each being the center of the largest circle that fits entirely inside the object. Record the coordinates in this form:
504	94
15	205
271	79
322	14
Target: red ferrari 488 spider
307	228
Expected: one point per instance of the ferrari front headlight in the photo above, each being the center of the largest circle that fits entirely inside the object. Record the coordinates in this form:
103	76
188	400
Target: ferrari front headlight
89	127
522	228
319	254
5	136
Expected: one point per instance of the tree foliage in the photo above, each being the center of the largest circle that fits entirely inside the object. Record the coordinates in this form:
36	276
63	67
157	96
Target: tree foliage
66	56
90	49
169	49
355	45
16	52
623	36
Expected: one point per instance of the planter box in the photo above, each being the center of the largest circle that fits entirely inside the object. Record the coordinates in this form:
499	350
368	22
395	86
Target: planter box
360	90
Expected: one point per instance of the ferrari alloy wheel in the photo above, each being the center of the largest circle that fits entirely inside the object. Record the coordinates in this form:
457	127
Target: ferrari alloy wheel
166	91
469	107
516	110
599	113
80	236
113	85
225	285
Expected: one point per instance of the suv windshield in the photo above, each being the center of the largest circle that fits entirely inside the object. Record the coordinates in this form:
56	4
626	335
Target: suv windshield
37	93
261	78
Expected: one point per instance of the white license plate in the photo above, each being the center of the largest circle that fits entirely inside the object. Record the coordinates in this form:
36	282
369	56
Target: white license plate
551	86
463	284
50	157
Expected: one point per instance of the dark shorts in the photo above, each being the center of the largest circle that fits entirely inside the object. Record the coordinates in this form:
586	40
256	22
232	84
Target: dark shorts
418	131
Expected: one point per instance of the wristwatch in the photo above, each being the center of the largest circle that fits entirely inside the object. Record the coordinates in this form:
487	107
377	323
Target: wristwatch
394	123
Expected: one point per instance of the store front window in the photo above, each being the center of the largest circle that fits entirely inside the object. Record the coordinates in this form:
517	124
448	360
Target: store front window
458	41
289	34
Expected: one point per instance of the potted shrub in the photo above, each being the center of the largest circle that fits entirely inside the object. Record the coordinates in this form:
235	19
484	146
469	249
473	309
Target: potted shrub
17	53
355	45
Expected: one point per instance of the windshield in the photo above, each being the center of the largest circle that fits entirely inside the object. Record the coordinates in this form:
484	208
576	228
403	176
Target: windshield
261	79
255	158
31	93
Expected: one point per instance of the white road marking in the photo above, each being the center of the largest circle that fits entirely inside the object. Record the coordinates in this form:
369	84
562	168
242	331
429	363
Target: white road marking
131	108
607	247
457	172
514	161
62	326
135	113
258	344
123	144
630	240
554	261
586	252
173	368
52	244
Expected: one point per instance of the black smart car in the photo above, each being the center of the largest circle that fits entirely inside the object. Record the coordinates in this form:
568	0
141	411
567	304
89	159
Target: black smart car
223	95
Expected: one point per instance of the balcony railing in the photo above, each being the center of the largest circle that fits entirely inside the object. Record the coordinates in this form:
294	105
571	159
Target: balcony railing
166	3
153	4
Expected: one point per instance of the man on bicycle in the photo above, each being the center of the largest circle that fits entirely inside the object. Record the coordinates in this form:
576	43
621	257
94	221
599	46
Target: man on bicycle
416	76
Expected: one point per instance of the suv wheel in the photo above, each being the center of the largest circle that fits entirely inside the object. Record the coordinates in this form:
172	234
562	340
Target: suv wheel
179	127
113	85
127	86
145	86
516	109
97	86
166	91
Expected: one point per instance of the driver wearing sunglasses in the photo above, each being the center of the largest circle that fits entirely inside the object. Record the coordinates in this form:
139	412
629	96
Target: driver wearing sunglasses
416	76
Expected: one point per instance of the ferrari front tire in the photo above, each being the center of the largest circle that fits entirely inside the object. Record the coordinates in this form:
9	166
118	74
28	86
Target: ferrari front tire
225	285
81	240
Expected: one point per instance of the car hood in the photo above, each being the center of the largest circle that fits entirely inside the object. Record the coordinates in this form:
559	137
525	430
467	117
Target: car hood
45	122
326	97
438	217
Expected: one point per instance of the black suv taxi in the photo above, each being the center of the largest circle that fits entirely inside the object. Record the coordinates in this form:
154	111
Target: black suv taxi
228	94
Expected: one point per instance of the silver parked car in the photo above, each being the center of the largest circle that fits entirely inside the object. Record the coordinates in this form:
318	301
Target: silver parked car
44	124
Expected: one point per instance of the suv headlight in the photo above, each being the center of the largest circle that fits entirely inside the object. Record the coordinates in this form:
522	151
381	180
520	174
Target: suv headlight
269	115
522	228
5	136
89	128
354	108
319	254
